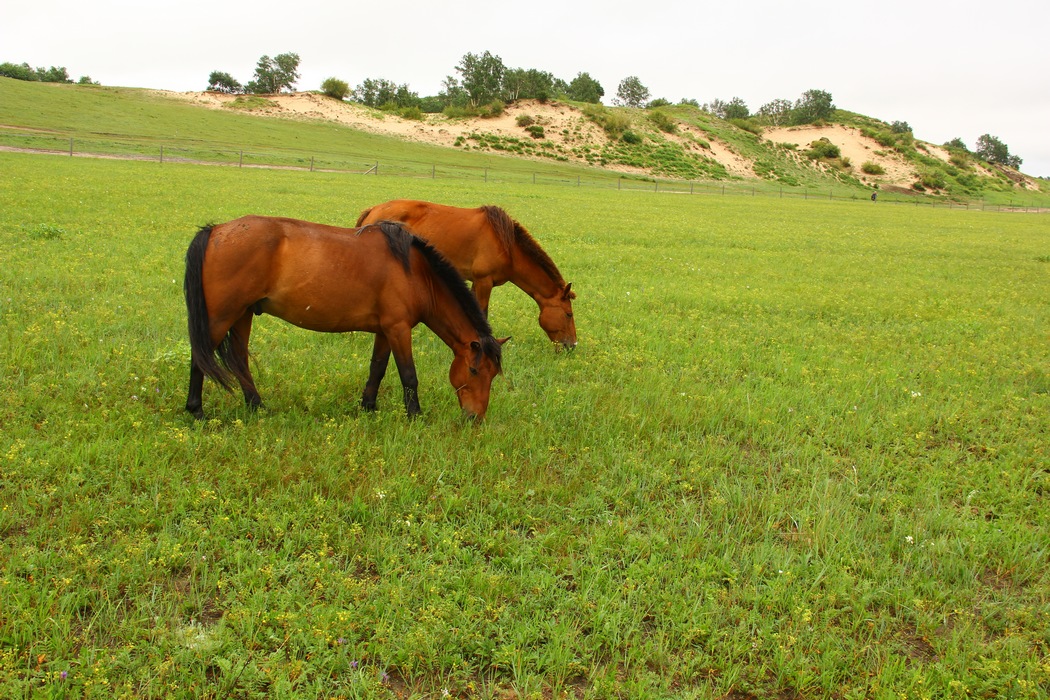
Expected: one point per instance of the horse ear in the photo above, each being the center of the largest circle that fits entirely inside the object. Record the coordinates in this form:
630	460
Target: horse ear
501	341
567	293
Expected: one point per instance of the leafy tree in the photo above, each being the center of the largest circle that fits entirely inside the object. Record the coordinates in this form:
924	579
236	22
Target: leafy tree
777	111
814	105
86	80
22	72
272	75
900	128
53	75
631	92
224	82
482	77
957	143
25	72
658	102
530	84
736	108
452	93
993	150
689	101
334	87
584	88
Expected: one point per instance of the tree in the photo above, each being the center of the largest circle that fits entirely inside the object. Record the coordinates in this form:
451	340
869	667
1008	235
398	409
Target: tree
530	84
958	144
272	75
584	88
482	77
224	82
334	87
993	150
22	72
53	75
777	111
813	106
900	127
86	80
631	92
736	108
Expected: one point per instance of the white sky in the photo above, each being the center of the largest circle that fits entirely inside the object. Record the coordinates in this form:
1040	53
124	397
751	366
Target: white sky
949	69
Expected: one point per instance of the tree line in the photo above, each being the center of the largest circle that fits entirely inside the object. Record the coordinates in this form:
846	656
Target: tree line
54	74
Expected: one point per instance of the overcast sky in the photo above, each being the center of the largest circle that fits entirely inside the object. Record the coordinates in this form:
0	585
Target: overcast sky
959	69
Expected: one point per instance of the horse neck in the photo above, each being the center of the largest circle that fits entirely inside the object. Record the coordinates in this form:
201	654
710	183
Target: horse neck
531	277
443	315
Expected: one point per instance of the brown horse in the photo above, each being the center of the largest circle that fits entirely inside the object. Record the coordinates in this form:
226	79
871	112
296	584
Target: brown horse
490	248
378	278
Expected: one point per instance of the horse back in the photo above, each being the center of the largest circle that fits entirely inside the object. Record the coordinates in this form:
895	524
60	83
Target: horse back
315	276
471	239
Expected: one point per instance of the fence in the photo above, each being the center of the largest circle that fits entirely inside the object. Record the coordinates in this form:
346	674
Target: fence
353	164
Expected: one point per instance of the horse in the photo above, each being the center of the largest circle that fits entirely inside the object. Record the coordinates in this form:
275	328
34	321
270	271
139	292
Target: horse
377	278
490	248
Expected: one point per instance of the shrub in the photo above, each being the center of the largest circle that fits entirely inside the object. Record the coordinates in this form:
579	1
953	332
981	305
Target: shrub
457	112
748	125
823	148
492	109
663	121
613	123
535	131
932	179
872	168
629	136
414	113
524	120
334	87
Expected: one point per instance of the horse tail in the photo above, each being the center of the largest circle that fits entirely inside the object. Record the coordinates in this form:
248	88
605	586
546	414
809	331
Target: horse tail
362	217
202	352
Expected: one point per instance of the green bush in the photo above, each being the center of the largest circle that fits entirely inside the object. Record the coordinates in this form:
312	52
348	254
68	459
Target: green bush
334	87
823	148
749	125
630	137
932	179
663	121
492	109
872	168
535	131
524	120
613	123
414	113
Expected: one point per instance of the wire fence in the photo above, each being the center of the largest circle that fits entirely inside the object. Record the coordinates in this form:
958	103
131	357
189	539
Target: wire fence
354	164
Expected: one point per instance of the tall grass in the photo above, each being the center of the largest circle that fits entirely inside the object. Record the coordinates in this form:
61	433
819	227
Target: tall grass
800	452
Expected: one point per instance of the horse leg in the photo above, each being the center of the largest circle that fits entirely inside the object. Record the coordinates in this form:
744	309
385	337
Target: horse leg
376	371
482	289
400	342
194	399
239	335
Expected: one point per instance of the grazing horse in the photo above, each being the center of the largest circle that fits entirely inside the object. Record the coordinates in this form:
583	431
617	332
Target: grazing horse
378	278
490	248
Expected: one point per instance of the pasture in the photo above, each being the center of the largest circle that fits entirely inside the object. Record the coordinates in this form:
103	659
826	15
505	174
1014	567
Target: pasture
800	452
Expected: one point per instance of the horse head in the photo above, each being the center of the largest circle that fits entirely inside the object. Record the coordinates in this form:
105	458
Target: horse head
474	367
556	317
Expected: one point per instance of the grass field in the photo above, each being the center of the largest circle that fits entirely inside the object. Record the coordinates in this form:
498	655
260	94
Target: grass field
800	452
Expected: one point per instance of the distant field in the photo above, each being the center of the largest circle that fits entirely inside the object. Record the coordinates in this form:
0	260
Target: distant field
800	452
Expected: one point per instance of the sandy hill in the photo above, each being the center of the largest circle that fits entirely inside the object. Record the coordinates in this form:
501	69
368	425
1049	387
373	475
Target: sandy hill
567	124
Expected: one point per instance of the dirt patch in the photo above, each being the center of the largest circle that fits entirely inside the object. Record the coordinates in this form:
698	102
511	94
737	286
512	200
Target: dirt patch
854	145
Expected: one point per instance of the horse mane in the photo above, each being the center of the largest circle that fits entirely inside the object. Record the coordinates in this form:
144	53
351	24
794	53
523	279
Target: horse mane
510	232
401	240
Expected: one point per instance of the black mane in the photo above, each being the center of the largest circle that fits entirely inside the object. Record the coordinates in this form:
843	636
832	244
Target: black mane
510	232
401	240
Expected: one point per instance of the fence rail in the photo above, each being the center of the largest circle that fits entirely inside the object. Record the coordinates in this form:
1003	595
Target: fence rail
351	164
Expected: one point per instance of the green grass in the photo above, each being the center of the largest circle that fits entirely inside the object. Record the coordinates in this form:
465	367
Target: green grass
801	451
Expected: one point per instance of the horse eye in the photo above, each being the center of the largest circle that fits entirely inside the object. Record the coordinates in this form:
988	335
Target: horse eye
474	371
569	315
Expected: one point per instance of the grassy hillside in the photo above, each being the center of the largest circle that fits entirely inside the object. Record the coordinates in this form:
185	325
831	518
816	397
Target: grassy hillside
800	452
671	144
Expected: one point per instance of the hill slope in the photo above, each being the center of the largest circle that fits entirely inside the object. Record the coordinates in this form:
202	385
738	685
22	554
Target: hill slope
695	144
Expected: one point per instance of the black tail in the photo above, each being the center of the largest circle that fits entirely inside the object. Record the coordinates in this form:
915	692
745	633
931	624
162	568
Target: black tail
201	349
